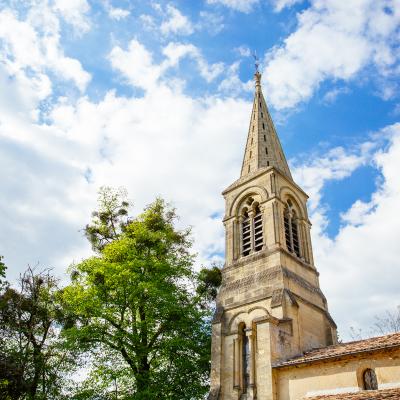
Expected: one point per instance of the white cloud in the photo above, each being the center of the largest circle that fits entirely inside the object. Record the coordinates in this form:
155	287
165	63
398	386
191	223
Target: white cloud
358	267
168	21
212	22
115	13
396	110
358	212
118	13
279	5
30	48
245	6
176	51
209	71
232	84
148	22
334	40
176	22
336	164
243	51
151	144
331	96
136	63
156	6
74	12
145	135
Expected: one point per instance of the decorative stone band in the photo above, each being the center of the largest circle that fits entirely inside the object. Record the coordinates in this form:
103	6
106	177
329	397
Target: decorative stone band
268	276
267	252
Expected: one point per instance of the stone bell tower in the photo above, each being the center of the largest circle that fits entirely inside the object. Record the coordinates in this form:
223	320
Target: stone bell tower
270	306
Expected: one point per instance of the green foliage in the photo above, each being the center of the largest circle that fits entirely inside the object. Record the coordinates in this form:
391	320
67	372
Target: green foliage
2	273
210	280
110	218
137	313
109	378
137	310
32	359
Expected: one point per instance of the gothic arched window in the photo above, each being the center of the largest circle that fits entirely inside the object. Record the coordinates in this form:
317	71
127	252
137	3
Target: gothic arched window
252	237
369	380
291	229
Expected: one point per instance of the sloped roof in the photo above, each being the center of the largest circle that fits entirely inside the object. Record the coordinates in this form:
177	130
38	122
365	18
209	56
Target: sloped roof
344	349
387	394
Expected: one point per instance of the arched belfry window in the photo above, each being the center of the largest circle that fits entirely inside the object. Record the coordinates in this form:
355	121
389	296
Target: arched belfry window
369	380
252	237
291	229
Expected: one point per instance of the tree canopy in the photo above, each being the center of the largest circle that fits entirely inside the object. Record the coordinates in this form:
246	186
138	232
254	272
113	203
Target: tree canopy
134	319
33	362
137	307
2	272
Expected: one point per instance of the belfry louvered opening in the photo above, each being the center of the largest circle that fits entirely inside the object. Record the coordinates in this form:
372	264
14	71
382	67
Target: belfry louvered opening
246	235
287	230
252	235
258	230
295	235
291	229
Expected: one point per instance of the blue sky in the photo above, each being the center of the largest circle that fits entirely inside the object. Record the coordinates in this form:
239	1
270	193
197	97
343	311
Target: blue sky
156	97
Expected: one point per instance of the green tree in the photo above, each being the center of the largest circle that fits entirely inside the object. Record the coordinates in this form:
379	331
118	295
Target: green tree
109	221
136	306
3	268
210	280
32	360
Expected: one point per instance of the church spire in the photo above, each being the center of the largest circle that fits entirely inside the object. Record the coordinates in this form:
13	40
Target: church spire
263	148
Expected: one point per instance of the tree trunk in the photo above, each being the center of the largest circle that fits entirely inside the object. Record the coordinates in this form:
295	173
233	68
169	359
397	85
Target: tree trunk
38	367
142	378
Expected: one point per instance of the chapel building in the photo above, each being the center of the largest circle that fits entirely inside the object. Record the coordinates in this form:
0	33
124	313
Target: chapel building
272	335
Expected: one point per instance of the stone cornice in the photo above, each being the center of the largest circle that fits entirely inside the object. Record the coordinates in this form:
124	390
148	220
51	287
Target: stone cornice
248	178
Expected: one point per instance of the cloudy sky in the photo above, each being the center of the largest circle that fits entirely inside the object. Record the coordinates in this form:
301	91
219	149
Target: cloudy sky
156	97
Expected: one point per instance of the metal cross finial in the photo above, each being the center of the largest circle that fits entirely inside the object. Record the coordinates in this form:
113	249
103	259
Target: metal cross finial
256	61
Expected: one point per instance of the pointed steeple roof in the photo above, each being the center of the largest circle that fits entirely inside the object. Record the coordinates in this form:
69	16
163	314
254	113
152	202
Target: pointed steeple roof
263	148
